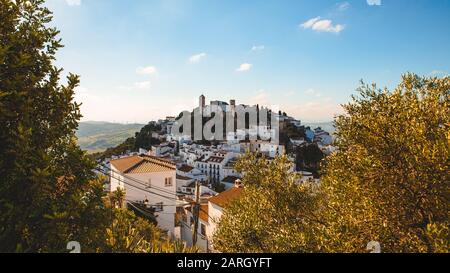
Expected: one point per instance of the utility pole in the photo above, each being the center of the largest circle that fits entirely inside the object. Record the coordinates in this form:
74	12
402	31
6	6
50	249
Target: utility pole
196	212
113	242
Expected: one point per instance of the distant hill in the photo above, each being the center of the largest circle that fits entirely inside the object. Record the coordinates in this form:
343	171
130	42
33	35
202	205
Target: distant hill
97	136
326	126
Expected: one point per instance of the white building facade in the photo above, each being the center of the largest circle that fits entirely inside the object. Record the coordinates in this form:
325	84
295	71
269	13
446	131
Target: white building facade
151	181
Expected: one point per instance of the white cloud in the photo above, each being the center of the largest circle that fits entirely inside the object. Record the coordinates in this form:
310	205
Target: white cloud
258	48
313	92
142	85
73	2
148	70
310	23
244	67
374	2
343	6
322	25
439	73
197	58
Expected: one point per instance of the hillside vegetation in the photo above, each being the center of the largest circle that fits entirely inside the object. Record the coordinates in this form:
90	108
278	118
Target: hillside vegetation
99	136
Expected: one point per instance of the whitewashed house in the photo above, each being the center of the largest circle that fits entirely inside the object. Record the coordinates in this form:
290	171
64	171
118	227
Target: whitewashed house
229	170
163	149
191	172
217	165
185	185
269	149
149	180
209	216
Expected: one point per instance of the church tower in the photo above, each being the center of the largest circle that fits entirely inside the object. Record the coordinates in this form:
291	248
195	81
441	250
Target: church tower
202	101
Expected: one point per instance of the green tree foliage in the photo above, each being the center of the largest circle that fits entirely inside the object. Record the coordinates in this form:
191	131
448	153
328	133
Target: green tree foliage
118	197
389	182
289	131
273	212
144	138
131	234
219	187
308	157
48	195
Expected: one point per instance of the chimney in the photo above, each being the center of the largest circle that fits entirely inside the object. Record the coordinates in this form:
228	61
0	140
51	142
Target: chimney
238	183
233	102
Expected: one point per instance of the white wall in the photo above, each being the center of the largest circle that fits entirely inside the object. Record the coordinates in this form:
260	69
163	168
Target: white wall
229	172
166	217
215	213
187	230
115	179
183	183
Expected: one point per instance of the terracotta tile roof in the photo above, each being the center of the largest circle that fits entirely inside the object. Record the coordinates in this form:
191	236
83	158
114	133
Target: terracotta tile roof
125	163
203	215
227	196
191	185
142	164
201	159
230	179
215	159
180	177
186	168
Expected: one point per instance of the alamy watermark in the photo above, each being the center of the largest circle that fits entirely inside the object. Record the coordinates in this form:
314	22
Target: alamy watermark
74	247
374	247
229	123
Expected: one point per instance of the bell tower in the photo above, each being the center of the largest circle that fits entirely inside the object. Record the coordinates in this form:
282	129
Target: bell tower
202	101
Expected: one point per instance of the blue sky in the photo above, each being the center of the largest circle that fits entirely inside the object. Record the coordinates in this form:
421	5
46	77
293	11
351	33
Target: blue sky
141	60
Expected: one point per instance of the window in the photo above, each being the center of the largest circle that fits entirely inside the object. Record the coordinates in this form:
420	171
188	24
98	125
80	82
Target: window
149	183
203	229
168	182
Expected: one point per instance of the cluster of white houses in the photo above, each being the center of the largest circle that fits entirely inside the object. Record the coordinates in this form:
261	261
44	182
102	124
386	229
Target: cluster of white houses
164	179
169	192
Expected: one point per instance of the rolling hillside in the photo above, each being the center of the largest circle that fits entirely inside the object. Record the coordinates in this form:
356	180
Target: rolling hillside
95	136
